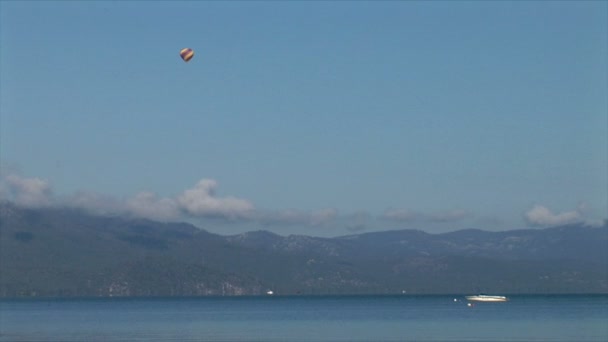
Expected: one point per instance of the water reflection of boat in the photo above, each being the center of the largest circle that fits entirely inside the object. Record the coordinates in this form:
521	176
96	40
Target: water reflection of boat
487	298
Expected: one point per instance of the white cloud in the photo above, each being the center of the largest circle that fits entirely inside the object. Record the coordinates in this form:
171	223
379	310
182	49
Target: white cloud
148	205
198	201
95	203
201	201
28	192
542	216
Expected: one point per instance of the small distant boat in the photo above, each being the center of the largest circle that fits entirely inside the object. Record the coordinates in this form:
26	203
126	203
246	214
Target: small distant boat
487	298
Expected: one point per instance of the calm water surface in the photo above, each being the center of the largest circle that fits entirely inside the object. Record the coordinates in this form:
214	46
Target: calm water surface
361	318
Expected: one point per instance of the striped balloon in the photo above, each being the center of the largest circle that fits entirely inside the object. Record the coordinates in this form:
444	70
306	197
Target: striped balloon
186	54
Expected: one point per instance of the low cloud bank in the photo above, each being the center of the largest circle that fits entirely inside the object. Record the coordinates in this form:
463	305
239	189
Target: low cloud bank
541	216
201	201
27	192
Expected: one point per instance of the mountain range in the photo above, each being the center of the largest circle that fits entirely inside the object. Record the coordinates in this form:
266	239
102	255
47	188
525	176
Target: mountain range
61	252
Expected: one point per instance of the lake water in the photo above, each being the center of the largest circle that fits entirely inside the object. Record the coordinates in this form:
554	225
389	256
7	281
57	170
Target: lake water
310	319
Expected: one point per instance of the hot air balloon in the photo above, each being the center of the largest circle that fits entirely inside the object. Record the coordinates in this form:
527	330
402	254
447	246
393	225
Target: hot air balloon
186	54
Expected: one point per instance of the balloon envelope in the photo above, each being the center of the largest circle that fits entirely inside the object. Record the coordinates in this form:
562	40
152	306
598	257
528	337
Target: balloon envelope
186	54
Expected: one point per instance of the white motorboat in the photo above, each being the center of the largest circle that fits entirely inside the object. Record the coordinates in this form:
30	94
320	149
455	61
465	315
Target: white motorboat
487	298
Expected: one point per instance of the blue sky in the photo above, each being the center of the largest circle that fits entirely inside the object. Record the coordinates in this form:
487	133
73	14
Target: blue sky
318	118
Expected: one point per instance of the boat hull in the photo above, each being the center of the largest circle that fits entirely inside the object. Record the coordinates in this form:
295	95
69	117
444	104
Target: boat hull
485	298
